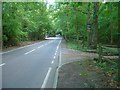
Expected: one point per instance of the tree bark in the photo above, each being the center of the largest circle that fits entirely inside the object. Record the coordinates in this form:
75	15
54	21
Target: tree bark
89	37
111	35
76	26
95	24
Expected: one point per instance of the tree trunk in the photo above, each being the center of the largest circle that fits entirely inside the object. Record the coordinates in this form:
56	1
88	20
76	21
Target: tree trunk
76	27
89	37
111	38
111	33
95	24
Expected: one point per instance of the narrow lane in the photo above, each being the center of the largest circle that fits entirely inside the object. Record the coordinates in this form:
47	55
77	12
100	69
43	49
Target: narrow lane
28	67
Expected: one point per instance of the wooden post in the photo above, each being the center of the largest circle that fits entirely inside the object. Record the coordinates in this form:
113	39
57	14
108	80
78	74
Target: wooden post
100	51
119	65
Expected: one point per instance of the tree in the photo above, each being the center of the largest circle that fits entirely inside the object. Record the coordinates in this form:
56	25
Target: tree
89	26
24	21
95	24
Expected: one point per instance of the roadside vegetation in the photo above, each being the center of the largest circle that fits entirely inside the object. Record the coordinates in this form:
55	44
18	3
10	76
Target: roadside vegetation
24	21
90	27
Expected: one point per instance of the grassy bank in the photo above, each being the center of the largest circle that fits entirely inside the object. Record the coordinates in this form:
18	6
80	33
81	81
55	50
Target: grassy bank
76	46
108	66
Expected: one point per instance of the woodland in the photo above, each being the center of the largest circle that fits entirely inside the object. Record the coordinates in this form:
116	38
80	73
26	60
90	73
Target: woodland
91	27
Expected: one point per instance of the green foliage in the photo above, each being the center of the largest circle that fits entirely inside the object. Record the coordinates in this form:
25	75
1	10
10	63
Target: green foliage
71	19
109	68
32	21
24	21
113	51
108	23
73	45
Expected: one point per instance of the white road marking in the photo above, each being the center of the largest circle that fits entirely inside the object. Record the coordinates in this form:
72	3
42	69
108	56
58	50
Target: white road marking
52	62
60	54
57	47
46	78
44	45
29	52
56	51
55	54
54	57
39	47
60	58
2	64
56	75
22	47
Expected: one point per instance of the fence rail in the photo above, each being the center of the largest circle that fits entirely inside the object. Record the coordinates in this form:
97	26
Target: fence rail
105	55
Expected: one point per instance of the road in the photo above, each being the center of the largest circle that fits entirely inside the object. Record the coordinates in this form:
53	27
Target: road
32	66
0	70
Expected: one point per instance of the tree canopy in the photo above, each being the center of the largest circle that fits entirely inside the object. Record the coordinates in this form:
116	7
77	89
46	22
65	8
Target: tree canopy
91	22
24	21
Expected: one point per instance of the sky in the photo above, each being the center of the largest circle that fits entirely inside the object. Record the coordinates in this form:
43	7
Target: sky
51	2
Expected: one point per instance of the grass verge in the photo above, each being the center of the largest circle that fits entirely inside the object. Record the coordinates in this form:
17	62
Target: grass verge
76	46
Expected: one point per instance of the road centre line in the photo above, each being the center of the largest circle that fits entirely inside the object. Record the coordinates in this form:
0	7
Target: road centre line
2	64
40	46
57	47
52	62
54	57
29	52
56	51
56	76
55	54
34	49
46	78
22	47
44	44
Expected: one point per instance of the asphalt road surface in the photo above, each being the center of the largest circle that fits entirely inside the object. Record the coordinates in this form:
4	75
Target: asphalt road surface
32	66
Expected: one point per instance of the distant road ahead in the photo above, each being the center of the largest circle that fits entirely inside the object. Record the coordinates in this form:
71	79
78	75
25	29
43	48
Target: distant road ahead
33	66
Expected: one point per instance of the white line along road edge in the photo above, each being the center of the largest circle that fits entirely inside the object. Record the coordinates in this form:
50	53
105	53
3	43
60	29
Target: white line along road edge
2	64
60	54
56	76
46	78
